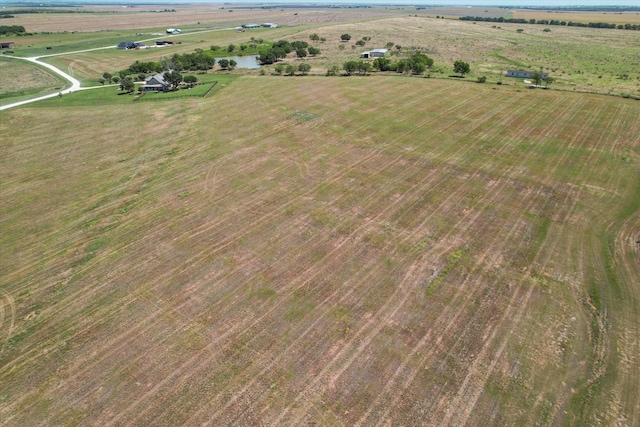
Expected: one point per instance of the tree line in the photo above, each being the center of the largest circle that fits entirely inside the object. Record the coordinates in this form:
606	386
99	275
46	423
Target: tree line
417	63
634	27
11	29
280	49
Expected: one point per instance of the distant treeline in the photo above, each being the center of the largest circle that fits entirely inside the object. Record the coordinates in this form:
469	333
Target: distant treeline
614	9
11	29
635	27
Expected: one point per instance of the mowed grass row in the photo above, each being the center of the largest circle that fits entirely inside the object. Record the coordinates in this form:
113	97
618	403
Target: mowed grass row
335	250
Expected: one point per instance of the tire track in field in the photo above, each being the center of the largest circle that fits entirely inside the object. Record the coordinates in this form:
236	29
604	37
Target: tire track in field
343	242
478	385
416	130
74	299
417	188
374	153
470	390
442	318
7	313
414	189
369	337
600	147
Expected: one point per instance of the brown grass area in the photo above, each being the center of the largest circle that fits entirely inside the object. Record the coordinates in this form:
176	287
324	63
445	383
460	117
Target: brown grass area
18	75
309	250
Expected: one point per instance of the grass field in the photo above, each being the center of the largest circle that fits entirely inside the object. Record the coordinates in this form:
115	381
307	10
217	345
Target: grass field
335	251
22	79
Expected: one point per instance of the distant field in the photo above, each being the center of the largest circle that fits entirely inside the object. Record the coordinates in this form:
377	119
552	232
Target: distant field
328	251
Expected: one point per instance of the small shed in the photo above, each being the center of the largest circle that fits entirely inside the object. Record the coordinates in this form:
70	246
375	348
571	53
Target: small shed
6	45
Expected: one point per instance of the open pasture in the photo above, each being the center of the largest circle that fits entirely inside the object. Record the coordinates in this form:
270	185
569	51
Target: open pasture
21	78
336	251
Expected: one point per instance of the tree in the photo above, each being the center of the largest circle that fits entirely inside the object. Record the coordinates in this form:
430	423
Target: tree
482	79
290	70
350	67
231	48
314	37
461	67
223	63
304	68
313	51
101	80
267	57
382	64
549	80
107	76
537	77
323	39
360	42
232	64
363	67
279	69
333	70
127	84
389	45
299	44
115	79
345	37
301	52
174	78
190	80
141	76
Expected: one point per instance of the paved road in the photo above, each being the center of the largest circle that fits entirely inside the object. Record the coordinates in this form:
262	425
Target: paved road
75	84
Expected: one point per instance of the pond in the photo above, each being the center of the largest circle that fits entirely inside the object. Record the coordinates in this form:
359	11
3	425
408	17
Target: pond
248	61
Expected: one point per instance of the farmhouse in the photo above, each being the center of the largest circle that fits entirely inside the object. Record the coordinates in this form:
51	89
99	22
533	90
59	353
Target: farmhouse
251	26
156	84
6	45
525	74
269	25
375	53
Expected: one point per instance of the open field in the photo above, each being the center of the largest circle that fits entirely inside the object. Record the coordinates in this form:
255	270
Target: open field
328	251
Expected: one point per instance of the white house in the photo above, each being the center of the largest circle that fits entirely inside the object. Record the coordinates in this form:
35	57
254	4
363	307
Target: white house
375	53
